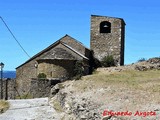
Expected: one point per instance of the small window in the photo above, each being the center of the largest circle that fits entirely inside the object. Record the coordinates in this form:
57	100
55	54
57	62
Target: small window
105	27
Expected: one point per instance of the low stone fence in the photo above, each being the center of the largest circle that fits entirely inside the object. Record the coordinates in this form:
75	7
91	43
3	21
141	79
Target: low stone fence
41	87
8	90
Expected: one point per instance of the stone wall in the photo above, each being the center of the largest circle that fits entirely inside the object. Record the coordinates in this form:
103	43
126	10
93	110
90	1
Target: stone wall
41	87
112	43
56	68
38	88
9	91
24	74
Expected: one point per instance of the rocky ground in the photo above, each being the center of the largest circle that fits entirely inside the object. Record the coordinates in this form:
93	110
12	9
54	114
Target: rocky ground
132	89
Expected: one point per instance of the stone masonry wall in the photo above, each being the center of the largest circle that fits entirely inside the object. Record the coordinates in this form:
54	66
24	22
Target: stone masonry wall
24	75
104	44
41	87
56	68
9	91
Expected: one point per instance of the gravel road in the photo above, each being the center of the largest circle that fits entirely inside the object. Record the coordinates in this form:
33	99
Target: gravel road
30	109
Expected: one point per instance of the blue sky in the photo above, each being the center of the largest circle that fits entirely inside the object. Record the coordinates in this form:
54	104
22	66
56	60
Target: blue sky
39	23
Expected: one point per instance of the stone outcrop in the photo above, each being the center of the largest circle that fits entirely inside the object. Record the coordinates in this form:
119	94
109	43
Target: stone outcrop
153	63
76	108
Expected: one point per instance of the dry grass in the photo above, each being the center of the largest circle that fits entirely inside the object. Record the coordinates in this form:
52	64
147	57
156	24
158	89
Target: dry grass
56	105
142	80
4	105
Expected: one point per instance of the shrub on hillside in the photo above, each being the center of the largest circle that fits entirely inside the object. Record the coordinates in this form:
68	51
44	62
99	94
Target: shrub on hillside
108	61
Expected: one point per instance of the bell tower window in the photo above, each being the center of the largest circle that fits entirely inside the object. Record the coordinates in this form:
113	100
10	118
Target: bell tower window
105	27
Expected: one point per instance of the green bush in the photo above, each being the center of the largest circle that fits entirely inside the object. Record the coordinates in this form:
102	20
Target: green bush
108	61
42	75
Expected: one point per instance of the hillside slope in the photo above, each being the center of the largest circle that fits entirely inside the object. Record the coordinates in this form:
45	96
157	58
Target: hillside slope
119	93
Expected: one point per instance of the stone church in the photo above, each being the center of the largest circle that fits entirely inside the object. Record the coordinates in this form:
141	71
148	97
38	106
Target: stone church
57	61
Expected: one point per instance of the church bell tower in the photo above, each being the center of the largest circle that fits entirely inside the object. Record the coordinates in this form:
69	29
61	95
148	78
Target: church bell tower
107	38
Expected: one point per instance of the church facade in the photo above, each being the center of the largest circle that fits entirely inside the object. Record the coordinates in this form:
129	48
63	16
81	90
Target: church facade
58	60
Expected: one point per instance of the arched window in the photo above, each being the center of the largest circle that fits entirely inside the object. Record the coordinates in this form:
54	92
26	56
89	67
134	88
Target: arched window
105	27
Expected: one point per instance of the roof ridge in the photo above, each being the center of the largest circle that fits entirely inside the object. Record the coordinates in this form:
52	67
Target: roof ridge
76	41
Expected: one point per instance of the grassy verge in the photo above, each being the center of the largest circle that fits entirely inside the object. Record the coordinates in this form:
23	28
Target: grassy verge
140	80
56	105
4	105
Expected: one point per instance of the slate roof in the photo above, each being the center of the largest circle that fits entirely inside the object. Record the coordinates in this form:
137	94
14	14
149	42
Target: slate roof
58	53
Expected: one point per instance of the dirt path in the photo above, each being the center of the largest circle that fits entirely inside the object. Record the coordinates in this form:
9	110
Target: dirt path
30	109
